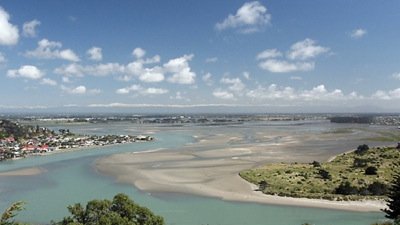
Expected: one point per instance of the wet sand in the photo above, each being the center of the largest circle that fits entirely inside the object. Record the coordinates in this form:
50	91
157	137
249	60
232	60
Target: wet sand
210	168
23	172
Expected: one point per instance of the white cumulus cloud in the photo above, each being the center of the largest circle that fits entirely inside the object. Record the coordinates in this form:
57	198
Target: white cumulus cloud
221	94
79	90
8	32
29	28
235	84
26	71
358	33
282	66
318	93
138	53
95	54
299	58
180	70
77	70
52	50
387	95
138	89
151	75
269	53
248	18
306	49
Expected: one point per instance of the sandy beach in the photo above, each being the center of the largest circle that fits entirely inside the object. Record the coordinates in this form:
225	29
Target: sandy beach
210	168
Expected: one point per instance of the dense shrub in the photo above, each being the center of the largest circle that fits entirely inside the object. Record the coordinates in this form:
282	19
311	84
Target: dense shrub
345	188
371	170
377	188
362	149
359	163
324	174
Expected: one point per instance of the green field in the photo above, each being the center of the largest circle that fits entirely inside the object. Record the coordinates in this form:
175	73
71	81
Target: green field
322	180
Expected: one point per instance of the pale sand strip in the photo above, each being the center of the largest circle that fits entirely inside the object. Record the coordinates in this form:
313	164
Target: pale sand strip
23	172
205	173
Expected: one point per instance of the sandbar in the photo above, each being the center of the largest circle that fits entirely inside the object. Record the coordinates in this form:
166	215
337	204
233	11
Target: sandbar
23	172
210	168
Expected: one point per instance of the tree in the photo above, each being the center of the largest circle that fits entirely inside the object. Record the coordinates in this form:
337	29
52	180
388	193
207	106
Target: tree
362	149
377	188
10	213
316	164
371	170
120	211
345	188
393	203
324	174
262	185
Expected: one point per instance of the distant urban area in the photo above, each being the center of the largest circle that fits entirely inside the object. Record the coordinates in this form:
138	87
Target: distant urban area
18	140
210	119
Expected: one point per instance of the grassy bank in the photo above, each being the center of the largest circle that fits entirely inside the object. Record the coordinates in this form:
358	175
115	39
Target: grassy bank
349	176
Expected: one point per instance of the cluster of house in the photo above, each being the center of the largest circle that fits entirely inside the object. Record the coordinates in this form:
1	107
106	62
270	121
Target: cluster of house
10	148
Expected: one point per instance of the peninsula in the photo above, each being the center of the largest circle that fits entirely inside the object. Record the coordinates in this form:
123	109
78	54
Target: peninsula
18	141
358	175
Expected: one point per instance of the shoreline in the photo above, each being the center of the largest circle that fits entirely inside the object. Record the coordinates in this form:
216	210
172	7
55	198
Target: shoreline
205	174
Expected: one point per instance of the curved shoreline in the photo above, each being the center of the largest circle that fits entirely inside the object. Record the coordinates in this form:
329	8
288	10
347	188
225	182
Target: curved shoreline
183	172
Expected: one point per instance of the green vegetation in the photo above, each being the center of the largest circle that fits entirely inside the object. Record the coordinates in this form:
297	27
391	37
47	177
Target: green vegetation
365	173
120	211
393	202
10	213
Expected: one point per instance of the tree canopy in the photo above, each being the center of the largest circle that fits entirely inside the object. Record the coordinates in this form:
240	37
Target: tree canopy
393	202
120	211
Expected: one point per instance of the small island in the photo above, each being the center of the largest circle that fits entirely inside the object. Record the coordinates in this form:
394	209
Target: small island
18	141
364	173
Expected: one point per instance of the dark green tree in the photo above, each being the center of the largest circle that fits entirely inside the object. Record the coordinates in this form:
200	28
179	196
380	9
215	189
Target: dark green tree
262	185
324	174
345	188
362	149
393	203
316	164
120	211
371	170
377	188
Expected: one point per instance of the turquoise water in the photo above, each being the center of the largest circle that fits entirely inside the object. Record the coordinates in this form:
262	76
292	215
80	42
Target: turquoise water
70	178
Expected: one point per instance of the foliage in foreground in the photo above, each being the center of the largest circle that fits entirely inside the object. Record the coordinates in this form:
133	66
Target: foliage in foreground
7	218
393	202
120	211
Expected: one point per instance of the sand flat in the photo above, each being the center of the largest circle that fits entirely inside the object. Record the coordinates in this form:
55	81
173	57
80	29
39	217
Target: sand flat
23	172
213	172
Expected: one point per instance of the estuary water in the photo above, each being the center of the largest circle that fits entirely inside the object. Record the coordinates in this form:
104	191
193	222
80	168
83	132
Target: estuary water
70	177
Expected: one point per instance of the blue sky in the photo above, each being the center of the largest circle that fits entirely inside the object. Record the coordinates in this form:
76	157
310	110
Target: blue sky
271	55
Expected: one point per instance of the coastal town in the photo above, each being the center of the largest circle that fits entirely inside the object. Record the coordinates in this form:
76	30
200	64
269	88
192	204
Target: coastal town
19	141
